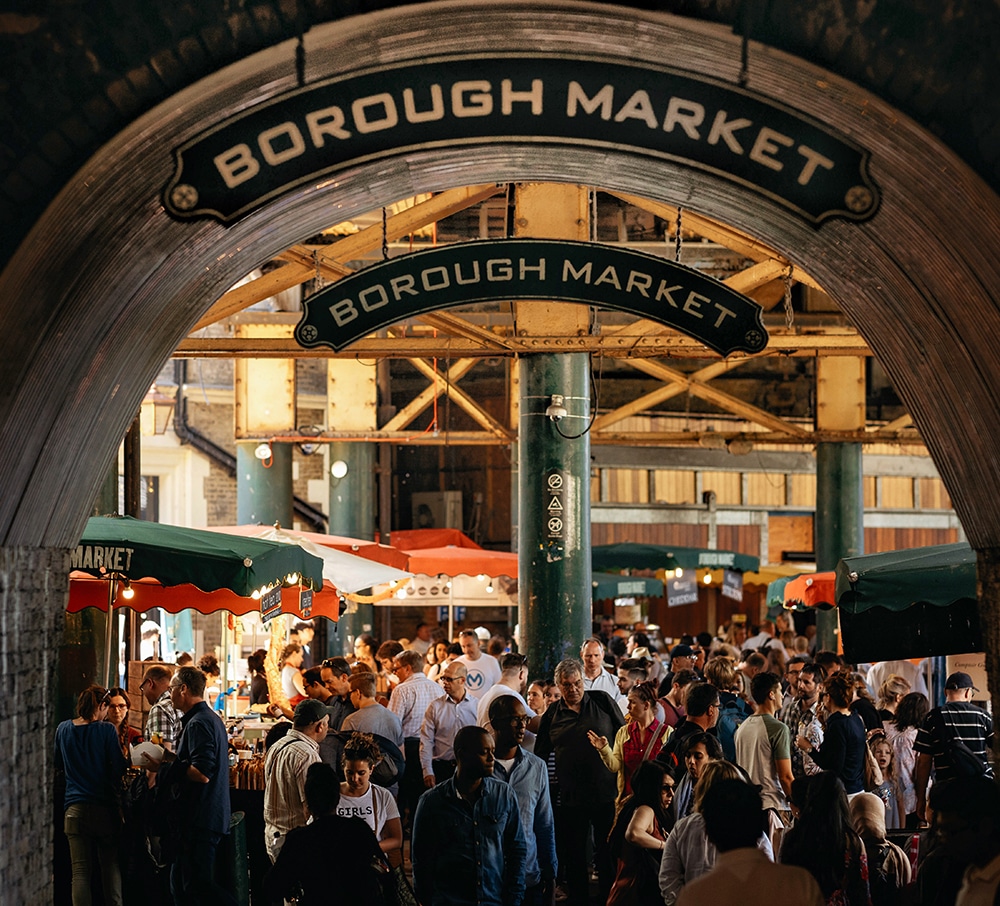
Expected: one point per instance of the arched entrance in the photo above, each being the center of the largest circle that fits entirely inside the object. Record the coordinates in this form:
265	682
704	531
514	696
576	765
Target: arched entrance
107	284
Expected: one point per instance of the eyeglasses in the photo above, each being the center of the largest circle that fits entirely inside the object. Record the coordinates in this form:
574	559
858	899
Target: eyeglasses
669	789
450	679
519	721
572	684
177	685
121	707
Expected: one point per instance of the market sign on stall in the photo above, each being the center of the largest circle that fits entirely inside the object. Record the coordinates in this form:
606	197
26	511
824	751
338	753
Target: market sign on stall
297	138
683	590
498	270
732	584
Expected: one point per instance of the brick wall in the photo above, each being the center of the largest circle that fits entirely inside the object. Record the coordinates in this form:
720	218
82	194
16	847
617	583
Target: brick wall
33	592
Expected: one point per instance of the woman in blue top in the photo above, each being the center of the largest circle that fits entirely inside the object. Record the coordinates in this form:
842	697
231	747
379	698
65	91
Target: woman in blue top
87	750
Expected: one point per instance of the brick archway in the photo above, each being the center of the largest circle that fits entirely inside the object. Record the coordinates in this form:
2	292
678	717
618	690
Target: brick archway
106	284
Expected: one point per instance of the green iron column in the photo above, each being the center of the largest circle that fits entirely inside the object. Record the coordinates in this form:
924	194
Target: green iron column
553	456
264	486
839	526
554	588
352	513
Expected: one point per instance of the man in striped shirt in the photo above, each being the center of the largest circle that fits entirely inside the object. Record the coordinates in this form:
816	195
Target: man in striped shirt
959	719
285	767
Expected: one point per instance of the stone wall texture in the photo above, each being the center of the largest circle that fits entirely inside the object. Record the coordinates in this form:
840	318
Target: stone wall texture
34	585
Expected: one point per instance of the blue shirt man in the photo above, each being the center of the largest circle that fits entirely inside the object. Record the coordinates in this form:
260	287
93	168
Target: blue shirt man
468	846
528	776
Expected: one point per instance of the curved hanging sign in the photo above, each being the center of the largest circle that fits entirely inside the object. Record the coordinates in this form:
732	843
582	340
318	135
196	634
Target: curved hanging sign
303	136
496	270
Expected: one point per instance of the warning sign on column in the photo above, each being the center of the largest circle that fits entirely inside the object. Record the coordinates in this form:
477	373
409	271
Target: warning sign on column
555	483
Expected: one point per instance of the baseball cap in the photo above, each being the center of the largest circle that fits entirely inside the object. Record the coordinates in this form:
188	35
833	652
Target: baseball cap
959	680
482	633
682	651
309	712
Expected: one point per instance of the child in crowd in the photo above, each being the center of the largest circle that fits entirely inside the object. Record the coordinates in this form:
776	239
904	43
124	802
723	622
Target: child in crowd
889	790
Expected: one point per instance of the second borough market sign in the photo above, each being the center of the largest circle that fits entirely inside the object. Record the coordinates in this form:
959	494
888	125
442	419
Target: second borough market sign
298	138
503	269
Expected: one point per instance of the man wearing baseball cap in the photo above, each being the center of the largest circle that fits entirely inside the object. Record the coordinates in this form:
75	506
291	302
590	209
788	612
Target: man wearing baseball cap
957	719
285	767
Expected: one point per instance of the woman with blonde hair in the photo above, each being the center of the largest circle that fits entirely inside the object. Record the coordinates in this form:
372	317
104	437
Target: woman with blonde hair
688	853
890	694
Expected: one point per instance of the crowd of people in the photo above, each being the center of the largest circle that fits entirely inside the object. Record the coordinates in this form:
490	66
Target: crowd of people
625	778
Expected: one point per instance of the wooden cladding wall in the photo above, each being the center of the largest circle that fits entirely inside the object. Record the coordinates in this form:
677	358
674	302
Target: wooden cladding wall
646	533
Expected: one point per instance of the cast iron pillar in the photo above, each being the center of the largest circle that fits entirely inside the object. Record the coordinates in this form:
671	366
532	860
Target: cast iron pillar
839	520
352	513
554	588
264	486
840	500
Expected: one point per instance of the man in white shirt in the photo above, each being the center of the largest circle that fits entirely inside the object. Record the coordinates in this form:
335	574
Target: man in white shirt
409	703
422	640
445	716
595	677
482	670
514	682
285	768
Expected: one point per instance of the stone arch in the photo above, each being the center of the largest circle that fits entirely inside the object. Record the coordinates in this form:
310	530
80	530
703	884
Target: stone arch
105	285
90	324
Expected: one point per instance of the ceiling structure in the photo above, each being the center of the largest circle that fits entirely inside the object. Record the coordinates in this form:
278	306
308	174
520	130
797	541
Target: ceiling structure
645	366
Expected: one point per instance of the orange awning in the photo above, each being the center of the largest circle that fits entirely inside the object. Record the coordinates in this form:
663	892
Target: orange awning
462	561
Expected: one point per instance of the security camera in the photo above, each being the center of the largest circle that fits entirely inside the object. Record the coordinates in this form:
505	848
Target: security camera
556	411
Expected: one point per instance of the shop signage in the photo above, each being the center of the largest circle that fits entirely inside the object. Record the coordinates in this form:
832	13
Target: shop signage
305	602
270	604
294	140
683	590
732	584
102	558
503	269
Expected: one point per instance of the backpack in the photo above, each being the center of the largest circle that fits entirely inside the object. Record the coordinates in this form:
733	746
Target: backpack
962	760
386	773
731	715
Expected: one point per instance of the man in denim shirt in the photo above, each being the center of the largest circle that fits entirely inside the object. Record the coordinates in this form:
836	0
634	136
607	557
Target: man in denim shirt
200	769
468	848
528	776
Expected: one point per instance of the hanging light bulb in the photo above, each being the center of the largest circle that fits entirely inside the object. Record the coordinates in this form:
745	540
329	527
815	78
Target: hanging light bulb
679	573
128	592
708	579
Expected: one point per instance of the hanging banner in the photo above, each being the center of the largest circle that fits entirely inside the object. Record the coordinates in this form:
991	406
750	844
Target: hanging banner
293	140
498	270
732	584
305	602
683	590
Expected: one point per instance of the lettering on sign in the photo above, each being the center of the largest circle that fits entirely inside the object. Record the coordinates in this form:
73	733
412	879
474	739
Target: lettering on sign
101	558
682	591
503	269
732	584
270	604
305	602
297	138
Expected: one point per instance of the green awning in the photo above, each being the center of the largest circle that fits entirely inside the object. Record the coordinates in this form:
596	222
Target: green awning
896	580
172	555
629	555
776	596
919	602
610	585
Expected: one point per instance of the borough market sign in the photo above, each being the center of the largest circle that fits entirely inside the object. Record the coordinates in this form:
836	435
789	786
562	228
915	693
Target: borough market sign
298	138
503	269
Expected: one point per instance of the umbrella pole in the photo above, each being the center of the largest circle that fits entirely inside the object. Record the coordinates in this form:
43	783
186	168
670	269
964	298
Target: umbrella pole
108	632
